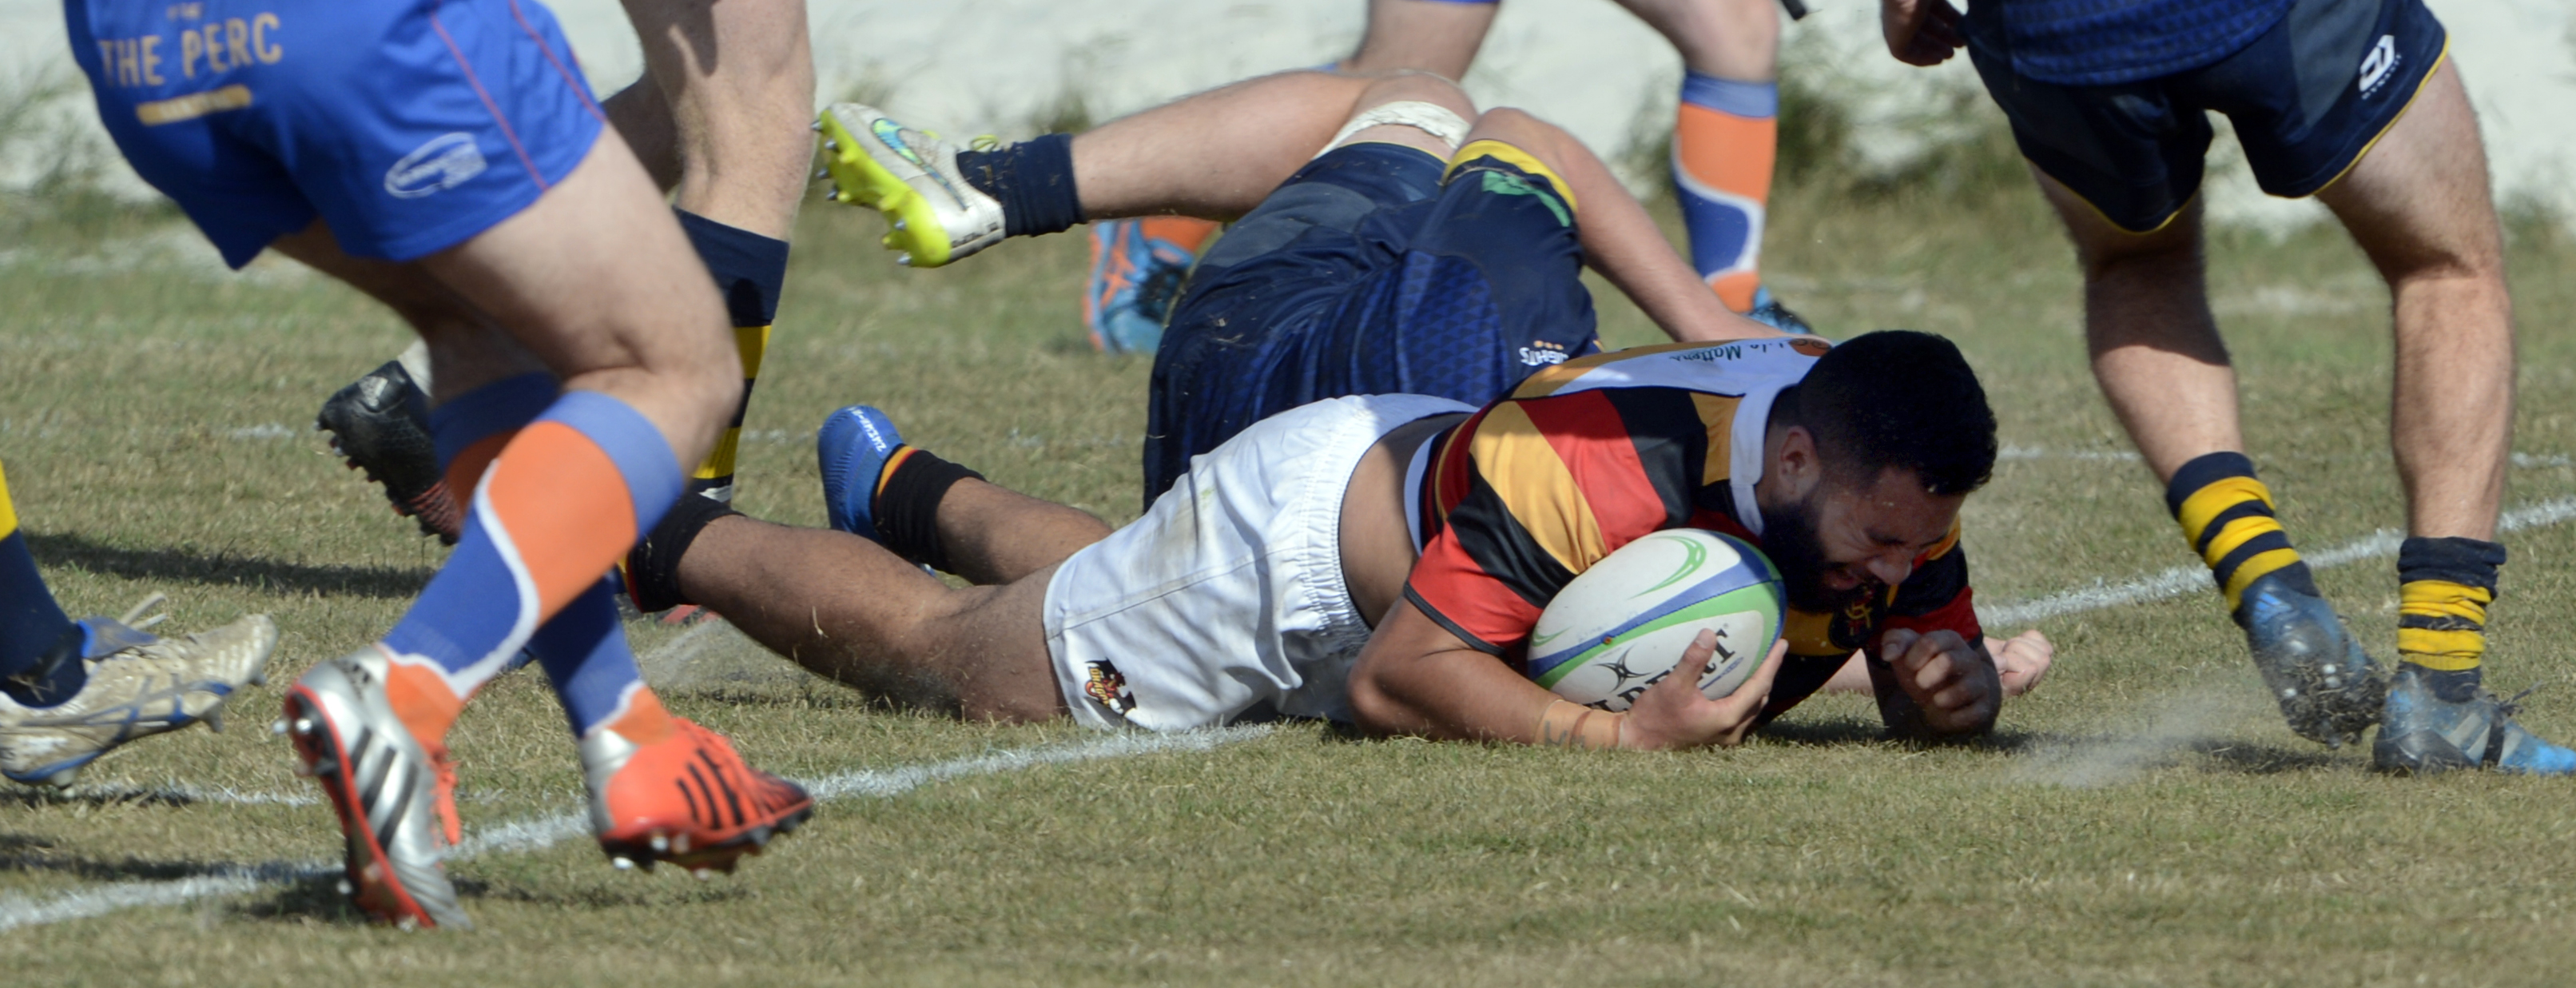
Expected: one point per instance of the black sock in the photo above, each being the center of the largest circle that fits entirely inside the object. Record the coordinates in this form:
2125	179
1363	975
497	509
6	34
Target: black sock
653	567
907	507
1034	181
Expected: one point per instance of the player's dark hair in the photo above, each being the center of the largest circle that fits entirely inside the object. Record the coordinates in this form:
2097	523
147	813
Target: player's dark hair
1898	398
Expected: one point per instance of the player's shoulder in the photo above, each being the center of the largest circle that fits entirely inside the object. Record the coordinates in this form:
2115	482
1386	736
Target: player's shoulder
1727	367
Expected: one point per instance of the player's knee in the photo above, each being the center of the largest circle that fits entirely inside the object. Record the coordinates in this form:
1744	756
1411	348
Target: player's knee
1519	129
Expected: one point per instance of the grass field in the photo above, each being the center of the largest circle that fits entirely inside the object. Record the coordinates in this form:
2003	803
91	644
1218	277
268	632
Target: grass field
2143	819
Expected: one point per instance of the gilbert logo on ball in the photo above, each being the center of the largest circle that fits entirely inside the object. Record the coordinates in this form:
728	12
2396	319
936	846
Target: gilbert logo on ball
1622	625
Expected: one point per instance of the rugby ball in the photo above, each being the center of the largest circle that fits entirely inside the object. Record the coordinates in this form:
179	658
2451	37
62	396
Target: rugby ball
1622	625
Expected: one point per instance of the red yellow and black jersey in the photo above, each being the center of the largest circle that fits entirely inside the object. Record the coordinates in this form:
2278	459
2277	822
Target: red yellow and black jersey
1587	456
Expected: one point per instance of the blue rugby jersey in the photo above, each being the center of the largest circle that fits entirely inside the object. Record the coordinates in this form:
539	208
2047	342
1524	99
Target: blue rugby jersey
2106	42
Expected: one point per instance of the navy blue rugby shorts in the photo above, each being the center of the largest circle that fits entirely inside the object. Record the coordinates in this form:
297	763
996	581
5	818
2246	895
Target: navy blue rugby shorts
2307	98
1375	269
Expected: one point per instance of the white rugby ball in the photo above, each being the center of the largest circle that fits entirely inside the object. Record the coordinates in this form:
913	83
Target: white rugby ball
1622	625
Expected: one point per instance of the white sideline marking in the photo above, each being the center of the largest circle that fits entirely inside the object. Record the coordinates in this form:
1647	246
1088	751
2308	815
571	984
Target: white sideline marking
2181	580
18	911
535	834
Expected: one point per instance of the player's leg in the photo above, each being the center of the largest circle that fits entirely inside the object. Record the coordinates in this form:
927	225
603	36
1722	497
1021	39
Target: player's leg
596	291
847	608
1138	264
72	690
853	603
2419	205
1725	139
1436	36
1214	155
719	115
2122	166
2166	374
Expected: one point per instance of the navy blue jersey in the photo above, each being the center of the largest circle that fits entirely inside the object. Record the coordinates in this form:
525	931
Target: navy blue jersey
2102	42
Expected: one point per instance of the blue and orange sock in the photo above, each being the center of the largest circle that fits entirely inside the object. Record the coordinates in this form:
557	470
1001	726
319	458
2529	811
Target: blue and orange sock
32	625
750	272
1725	143
566	481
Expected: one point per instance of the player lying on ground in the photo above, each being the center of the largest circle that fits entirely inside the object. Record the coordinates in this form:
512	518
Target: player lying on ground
1354	272
2355	102
445	157
1724	138
1382	560
1252	584
71	691
1367	271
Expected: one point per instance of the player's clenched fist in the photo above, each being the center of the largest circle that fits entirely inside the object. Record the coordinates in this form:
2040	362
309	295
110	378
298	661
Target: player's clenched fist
1955	685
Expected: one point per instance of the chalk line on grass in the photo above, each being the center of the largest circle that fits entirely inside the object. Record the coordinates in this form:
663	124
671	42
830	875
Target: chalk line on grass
538	833
2181	580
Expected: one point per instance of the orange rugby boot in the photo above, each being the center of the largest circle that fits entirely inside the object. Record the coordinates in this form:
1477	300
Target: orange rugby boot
665	789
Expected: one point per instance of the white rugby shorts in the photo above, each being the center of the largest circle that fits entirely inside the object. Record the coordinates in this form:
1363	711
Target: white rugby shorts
1226	600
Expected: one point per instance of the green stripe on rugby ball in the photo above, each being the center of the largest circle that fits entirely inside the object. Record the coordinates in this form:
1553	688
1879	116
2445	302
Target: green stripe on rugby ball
1641	606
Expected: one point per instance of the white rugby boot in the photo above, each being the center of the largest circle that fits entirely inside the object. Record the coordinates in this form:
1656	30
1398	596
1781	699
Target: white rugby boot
912	177
138	686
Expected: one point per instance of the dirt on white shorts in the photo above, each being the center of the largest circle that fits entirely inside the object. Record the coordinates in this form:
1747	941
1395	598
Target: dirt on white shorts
1226	600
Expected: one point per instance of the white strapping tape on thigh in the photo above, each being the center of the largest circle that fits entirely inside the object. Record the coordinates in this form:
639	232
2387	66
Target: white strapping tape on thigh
1429	118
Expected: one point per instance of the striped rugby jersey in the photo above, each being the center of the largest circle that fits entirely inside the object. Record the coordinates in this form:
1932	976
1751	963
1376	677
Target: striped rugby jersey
1592	454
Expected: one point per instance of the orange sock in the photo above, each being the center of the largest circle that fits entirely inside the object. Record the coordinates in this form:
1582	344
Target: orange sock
646	721
1187	232
1724	147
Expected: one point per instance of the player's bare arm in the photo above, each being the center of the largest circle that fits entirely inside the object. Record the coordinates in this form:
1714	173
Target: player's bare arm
1619	239
1416	678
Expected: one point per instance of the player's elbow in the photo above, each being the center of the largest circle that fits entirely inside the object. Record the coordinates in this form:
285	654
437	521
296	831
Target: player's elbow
1375	710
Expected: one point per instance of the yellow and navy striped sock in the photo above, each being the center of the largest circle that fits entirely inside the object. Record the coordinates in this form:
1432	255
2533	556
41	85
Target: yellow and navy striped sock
714	476
2227	515
750	271
2444	588
32	625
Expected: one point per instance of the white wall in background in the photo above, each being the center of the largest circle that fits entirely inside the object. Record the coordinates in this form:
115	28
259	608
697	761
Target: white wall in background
967	66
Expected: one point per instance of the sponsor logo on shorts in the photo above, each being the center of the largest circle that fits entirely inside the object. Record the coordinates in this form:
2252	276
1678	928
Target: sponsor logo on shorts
1541	353
446	162
1106	687
2379	64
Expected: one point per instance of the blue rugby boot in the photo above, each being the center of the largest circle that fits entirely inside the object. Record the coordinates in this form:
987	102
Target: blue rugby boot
2328	688
1137	269
854	447
2422	734
1769	312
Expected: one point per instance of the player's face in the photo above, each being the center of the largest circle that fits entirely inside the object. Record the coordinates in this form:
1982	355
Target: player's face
1846	542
